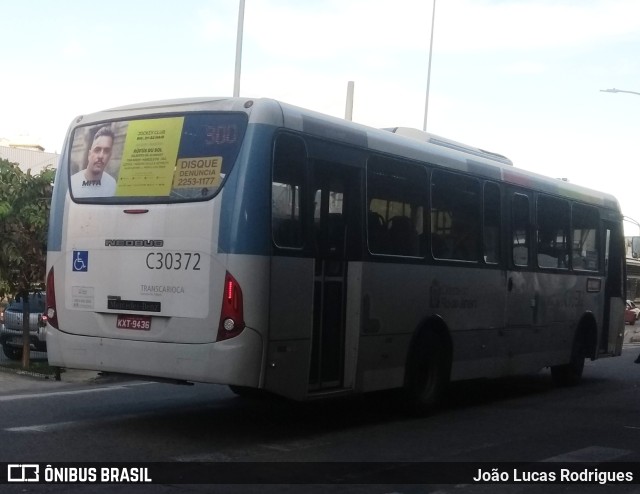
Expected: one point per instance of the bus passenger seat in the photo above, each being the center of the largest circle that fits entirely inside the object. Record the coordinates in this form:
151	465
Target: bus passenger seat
377	232
403	236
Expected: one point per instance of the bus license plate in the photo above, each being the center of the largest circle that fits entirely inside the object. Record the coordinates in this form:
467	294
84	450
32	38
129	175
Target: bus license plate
126	321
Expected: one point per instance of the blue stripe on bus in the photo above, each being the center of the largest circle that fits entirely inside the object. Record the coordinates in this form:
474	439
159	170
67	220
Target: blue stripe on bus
56	215
245	216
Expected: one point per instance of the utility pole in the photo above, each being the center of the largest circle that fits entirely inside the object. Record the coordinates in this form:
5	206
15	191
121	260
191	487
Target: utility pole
236	81
348	112
426	103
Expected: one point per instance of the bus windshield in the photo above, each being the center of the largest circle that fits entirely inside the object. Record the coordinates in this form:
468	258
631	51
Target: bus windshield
154	160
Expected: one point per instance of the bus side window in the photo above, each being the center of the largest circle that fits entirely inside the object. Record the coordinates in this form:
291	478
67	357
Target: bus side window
584	241
455	216
553	232
396	193
520	230
491	223
287	192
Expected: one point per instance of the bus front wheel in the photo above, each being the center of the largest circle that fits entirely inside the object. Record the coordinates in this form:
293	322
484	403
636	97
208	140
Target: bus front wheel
427	373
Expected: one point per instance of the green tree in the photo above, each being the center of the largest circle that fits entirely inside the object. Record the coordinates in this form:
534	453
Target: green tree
24	214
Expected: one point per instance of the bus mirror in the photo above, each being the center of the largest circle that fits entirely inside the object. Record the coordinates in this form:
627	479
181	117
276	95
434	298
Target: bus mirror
635	247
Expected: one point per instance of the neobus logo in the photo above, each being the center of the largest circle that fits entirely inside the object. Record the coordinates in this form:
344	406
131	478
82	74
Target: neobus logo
133	243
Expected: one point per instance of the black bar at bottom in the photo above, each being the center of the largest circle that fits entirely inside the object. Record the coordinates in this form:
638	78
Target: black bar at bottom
389	473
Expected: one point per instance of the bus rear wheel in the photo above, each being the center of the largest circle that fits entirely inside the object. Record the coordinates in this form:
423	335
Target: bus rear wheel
570	374
427	373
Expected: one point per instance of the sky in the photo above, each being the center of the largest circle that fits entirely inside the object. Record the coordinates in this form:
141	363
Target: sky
522	78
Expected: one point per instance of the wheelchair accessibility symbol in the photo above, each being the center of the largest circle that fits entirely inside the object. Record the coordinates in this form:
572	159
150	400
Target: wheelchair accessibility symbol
81	260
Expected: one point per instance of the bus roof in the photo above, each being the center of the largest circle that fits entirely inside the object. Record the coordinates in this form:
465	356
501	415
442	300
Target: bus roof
414	144
399	141
442	141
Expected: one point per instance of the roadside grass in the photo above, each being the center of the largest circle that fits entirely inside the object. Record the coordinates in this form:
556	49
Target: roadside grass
38	367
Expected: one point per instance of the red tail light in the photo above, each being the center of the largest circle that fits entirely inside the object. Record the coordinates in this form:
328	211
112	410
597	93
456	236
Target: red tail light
51	311
232	313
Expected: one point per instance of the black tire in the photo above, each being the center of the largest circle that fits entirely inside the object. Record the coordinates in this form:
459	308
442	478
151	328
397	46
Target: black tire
247	392
12	352
570	374
427	373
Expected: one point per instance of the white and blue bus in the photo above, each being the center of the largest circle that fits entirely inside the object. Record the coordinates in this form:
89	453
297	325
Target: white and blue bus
259	245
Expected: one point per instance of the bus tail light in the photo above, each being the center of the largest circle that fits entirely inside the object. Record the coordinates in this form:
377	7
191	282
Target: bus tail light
232	313
51	311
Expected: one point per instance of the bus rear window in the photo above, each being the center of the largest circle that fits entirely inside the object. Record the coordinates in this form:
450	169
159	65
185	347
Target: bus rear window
159	159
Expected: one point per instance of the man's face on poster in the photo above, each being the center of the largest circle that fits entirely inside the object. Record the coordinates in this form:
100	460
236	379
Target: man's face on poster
99	155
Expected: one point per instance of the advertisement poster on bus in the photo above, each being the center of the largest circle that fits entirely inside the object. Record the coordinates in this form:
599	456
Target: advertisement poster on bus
139	158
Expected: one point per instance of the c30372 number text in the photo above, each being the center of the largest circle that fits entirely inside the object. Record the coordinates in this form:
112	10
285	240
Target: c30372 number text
174	261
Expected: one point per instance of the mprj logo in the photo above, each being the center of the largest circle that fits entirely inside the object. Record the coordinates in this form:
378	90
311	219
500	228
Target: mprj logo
23	472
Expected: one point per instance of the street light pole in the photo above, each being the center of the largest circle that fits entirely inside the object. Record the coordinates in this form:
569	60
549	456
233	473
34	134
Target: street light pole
348	112
631	220
614	90
426	103
236	81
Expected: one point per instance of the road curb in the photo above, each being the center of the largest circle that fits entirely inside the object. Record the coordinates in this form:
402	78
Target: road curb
26	372
65	375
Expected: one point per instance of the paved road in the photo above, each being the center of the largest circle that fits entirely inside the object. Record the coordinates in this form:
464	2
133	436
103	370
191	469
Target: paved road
85	418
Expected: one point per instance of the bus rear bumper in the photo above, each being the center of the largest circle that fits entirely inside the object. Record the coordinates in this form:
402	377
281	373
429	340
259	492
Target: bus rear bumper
236	361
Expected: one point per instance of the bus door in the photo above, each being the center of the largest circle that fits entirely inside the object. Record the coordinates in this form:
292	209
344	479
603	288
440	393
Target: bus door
614	302
335	189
